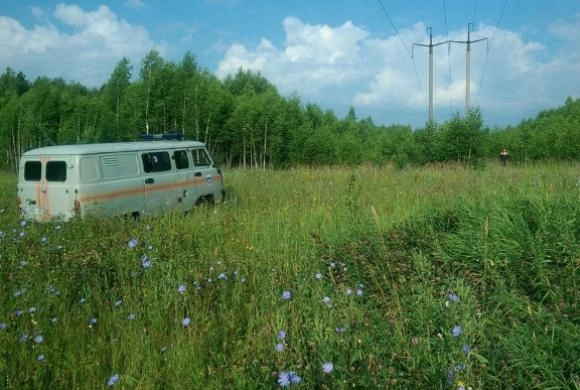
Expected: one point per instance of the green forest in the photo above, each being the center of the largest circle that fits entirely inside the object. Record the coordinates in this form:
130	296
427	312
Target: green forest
246	122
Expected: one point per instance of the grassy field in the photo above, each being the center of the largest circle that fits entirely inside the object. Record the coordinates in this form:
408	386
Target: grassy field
431	278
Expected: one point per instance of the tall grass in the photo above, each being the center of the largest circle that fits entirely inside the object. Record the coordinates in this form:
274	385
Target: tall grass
438	277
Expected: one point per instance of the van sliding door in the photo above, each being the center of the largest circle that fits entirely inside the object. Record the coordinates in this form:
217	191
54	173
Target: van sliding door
159	180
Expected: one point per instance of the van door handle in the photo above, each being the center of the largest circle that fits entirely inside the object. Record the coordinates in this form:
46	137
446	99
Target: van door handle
149	181
197	173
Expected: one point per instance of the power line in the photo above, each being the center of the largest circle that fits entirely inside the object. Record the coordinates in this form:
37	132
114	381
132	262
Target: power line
448	56
489	47
404	45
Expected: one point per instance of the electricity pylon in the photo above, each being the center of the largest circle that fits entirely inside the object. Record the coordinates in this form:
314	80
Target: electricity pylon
430	46
468	65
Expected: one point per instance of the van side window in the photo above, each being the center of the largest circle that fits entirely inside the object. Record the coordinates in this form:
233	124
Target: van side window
181	161
32	170
200	157
56	171
156	162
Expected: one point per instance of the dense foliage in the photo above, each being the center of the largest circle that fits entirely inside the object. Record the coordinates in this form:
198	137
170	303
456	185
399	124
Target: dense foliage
439	277
246	122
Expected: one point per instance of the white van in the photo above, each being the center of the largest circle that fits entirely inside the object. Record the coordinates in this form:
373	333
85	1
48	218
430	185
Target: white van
128	178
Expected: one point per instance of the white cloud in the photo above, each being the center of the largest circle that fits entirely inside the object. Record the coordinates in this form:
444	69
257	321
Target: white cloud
94	43
347	65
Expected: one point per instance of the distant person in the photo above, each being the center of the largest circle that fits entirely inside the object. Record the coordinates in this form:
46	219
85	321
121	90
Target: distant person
504	156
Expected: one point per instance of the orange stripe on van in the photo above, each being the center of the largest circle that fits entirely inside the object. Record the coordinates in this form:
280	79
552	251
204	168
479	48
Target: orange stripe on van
127	192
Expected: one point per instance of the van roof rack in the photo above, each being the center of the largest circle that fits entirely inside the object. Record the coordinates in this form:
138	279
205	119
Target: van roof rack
161	137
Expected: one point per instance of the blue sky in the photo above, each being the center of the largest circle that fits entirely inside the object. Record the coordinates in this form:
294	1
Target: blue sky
335	53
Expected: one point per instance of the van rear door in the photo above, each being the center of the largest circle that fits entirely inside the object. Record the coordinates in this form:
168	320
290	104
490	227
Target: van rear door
45	189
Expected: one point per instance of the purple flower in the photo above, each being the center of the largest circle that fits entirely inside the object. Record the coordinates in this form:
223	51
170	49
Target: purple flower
24	337
327	367
457	330
465	348
450	376
181	289
460	367
133	243
113	380
283	379
279	347
281	335
286	378
38	339
286	295
294	378
186	322
452	297
145	262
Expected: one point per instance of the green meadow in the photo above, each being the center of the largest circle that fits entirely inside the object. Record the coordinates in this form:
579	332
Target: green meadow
441	277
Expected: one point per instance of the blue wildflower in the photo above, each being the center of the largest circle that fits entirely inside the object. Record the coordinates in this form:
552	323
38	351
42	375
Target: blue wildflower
294	378
284	379
1	234
24	337
318	275
40	358
281	335
18	293
38	339
133	243
3	325
93	321
327	367
279	347
223	276
286	295
452	297
359	292
186	322
131	317
146	262
340	329
181	289
43	239
457	330
18	313
460	367
326	300
32	310
465	348
450	376
113	380
118	302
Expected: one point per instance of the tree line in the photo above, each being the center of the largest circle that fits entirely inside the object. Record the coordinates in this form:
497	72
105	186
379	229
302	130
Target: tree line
246	122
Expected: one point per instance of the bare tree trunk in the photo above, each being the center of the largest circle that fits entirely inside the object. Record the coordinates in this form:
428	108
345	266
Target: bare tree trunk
147	103
265	144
